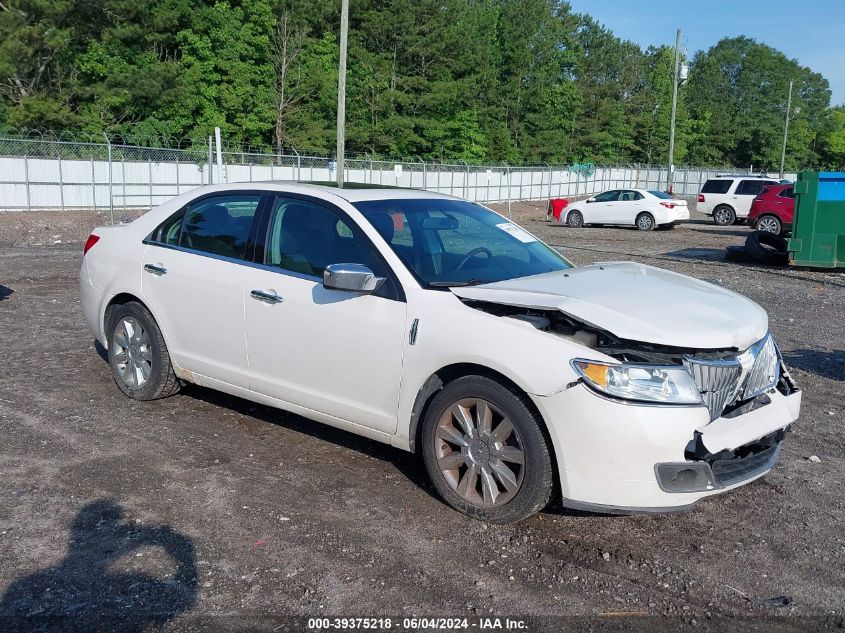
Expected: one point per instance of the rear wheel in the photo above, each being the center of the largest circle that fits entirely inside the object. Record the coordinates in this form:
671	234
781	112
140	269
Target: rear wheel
485	451
575	219
724	215
645	222
138	356
769	224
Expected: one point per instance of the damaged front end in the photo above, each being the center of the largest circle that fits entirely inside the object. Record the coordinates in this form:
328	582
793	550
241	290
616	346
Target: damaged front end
726	380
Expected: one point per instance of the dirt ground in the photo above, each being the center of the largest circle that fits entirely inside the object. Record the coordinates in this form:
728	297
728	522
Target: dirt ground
206	512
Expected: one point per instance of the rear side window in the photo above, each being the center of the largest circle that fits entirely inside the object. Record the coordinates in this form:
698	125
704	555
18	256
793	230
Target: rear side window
220	225
630	196
716	186
789	192
751	187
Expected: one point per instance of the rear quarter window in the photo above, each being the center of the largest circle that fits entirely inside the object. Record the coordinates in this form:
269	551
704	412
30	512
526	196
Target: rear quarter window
716	186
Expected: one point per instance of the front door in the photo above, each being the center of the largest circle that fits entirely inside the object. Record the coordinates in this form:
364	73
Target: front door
193	277
335	352
601	210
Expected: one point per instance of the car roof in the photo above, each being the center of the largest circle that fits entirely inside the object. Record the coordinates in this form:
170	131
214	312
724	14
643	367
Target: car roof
357	192
735	176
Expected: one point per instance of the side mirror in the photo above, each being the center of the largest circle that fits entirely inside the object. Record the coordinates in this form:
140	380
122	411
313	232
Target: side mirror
588	200
351	277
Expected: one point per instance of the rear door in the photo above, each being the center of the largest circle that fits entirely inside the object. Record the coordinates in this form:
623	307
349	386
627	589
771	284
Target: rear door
628	206
193	277
744	194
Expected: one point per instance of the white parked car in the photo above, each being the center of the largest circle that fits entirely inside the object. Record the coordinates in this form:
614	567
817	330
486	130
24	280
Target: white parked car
641	208
438	326
728	199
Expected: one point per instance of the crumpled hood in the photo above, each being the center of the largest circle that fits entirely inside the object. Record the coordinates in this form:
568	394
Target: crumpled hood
638	303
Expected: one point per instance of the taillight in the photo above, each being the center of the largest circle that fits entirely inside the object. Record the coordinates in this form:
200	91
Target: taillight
669	205
701	197
92	239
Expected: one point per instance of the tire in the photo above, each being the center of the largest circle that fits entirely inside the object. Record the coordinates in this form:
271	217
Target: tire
769	224
767	248
575	219
723	215
645	222
465	468
738	254
138	356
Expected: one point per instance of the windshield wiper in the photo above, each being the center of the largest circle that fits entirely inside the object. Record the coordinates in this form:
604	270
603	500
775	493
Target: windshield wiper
455	284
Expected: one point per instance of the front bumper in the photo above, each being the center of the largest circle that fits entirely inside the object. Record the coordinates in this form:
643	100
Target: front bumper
609	452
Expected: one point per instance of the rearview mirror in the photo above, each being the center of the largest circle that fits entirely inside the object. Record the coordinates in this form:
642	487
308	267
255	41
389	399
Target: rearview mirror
440	224
351	277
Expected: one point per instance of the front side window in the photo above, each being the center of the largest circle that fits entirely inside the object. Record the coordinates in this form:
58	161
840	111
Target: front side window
219	225
608	196
446	242
304	237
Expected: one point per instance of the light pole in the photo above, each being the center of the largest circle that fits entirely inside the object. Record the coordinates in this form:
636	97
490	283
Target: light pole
785	129
341	92
674	110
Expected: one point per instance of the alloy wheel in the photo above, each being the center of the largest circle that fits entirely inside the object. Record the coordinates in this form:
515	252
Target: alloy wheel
131	352
479	452
769	225
723	216
644	222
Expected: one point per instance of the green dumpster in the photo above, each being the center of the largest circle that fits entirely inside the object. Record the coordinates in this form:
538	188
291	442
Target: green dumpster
818	230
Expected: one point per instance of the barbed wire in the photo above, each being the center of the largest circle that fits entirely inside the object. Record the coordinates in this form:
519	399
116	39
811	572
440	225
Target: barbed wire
145	146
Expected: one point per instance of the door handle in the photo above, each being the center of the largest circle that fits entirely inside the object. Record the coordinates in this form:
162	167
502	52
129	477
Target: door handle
266	297
155	270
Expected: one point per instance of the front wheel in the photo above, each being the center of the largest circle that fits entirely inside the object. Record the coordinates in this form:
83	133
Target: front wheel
575	219
138	356
645	222
769	224
485	451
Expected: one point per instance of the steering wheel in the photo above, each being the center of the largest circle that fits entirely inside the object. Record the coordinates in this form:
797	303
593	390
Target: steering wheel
476	251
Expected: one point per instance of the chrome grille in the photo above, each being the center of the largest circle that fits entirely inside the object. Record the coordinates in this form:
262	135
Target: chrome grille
765	372
717	379
723	381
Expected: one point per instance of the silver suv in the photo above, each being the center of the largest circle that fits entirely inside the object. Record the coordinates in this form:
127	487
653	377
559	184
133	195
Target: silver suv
728	198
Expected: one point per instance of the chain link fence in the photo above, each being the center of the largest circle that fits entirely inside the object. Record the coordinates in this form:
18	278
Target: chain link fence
40	172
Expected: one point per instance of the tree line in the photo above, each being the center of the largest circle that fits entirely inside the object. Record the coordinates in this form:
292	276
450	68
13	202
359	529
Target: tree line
478	80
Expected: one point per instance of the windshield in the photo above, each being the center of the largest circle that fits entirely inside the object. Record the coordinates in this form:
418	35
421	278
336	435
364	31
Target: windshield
453	242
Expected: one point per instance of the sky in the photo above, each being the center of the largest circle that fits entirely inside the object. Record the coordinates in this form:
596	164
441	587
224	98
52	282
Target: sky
813	32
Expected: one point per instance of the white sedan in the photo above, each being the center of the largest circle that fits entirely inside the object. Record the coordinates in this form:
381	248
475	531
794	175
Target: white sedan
438	326
641	208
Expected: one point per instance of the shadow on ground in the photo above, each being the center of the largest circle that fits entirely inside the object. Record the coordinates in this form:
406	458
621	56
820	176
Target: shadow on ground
698	254
825	364
717	231
87	592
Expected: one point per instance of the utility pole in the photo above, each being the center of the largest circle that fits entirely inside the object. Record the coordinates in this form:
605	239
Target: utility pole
341	91
785	129
669	175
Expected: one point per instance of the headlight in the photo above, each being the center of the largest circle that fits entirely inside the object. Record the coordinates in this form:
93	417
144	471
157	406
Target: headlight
646	383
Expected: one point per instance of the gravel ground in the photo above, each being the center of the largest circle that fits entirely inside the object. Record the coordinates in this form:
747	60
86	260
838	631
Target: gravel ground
203	511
